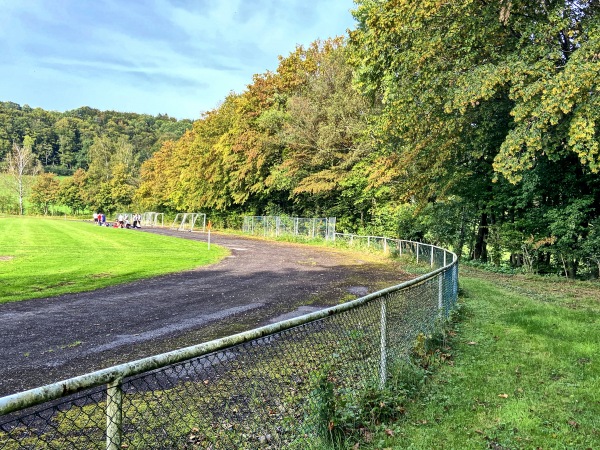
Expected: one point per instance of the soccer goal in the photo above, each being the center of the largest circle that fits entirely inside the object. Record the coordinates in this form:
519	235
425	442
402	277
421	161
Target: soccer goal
189	222
153	219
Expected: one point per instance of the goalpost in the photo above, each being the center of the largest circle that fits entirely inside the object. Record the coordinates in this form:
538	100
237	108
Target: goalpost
189	221
153	219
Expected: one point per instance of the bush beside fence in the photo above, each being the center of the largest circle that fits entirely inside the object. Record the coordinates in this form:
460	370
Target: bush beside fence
260	389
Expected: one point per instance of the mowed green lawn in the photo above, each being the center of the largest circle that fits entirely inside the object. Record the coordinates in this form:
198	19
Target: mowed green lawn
46	257
524	372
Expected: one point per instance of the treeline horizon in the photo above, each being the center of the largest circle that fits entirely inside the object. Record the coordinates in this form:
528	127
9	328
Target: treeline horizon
62	140
471	125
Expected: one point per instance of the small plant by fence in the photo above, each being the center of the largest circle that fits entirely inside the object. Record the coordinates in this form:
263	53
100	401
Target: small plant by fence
323	227
266	388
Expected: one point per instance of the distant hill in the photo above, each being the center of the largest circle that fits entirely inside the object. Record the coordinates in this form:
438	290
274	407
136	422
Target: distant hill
62	139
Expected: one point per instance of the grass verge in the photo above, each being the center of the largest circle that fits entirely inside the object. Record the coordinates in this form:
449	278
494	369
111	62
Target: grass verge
525	371
45	257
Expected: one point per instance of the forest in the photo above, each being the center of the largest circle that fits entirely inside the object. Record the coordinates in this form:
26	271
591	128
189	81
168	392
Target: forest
96	153
471	124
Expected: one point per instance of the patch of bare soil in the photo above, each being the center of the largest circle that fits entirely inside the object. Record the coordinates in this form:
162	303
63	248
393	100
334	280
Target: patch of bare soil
50	339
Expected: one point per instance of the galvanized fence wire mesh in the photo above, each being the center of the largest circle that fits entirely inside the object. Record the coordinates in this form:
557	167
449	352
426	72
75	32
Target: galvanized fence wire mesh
311	227
260	389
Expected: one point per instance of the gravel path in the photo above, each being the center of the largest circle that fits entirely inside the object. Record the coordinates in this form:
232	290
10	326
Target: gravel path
46	340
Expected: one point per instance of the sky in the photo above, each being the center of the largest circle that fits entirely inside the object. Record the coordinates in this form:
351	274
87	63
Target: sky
175	57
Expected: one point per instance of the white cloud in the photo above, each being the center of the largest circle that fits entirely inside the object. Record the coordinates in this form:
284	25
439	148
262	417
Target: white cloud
172	56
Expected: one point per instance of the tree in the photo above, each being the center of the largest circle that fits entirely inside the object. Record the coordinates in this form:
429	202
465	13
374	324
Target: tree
479	97
69	136
113	173
323	135
44	192
20	164
72	192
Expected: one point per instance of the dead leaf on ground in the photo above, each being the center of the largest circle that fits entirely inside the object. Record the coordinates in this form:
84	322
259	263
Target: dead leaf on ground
503	395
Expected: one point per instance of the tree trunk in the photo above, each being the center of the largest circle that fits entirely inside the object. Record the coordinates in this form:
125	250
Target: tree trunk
461	236
516	260
572	266
480	251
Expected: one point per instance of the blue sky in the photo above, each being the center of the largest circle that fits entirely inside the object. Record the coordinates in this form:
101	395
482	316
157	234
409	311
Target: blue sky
175	57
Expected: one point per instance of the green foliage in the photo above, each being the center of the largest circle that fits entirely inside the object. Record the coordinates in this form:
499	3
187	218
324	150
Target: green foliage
61	140
44	193
19	166
491	105
291	142
88	138
472	125
71	192
348	416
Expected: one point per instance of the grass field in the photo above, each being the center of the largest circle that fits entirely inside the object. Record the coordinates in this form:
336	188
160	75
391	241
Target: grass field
524	373
45	257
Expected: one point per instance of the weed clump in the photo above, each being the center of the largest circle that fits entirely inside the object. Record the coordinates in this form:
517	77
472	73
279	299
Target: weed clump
344	416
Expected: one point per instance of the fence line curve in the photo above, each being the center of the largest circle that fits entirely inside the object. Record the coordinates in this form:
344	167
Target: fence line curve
263	378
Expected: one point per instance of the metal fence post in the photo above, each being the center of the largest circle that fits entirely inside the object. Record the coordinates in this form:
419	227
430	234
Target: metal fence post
455	284
441	291
383	359
331	227
385	250
432	249
417	253
114	415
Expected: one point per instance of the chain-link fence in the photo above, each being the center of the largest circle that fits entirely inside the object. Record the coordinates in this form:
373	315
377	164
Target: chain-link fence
265	388
422	253
311	227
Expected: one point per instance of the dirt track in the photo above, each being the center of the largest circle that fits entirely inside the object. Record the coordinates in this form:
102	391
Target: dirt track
46	340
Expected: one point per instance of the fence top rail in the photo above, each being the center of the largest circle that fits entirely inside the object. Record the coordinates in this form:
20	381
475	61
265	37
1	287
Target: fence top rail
289	217
393	239
36	396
